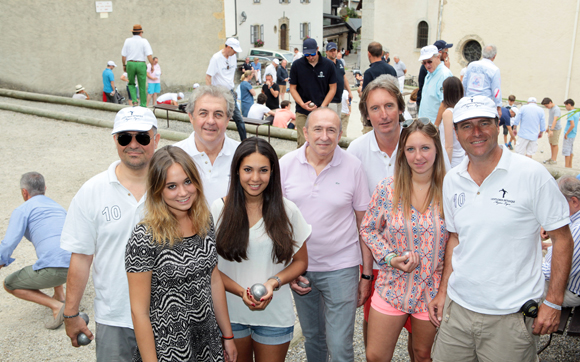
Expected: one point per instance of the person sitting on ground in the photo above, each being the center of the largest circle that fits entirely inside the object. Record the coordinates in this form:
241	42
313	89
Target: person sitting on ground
80	93
570	188
170	98
284	117
40	220
258	110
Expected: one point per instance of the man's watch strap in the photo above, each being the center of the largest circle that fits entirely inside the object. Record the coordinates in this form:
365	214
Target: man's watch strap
367	277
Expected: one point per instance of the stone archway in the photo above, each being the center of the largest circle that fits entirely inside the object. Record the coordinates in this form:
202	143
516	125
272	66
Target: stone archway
284	33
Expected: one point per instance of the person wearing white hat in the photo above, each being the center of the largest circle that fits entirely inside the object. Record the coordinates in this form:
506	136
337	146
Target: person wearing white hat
532	122
271	69
432	92
170	98
493	274
80	93
109	82
221	71
97	227
195	86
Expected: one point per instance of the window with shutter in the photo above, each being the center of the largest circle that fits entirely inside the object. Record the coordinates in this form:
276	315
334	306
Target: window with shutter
252	40
309	29
262	32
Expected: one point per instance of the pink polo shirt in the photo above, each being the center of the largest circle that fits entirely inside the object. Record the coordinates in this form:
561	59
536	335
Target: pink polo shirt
328	202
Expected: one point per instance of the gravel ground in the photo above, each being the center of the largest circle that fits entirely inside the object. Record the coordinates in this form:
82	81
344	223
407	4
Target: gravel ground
68	154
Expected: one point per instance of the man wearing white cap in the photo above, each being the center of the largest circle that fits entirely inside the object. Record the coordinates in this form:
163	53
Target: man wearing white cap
432	92
170	98
109	82
493	274
271	69
532	122
98	225
221	71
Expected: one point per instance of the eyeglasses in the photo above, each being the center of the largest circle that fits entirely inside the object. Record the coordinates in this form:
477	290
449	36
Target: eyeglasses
427	61
410	121
310	55
125	138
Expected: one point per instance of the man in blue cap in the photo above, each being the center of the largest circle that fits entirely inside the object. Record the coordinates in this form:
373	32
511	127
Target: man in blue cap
312	84
341	81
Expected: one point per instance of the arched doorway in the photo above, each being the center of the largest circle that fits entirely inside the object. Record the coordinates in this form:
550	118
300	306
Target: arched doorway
283	37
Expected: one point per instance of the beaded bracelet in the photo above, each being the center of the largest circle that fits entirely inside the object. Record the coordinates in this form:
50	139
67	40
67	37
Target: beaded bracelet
388	259
71	316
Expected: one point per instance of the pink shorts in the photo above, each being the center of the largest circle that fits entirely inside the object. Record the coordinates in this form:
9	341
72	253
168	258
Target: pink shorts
381	306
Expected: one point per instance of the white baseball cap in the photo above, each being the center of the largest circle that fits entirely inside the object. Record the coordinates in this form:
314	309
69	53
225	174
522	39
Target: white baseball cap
474	107
532	100
276	61
427	52
235	44
180	95
110	62
195	85
137	119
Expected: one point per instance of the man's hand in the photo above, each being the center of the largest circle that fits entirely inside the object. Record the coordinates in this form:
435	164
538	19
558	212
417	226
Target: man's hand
540	135
566	136
307	107
1	266
364	291
298	289
74	326
436	309
547	321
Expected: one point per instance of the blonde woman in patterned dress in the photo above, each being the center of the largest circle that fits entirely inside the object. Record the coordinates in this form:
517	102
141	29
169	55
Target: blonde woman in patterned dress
406	213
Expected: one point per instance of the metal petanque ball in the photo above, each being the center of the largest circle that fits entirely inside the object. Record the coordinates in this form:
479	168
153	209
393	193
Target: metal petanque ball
304	284
258	291
405	253
311	104
82	338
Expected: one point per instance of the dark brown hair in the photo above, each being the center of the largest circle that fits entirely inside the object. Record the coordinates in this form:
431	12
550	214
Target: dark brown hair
285	104
452	91
376	49
233	235
262	98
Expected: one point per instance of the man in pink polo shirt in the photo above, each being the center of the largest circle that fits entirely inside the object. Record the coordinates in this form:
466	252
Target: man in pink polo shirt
329	186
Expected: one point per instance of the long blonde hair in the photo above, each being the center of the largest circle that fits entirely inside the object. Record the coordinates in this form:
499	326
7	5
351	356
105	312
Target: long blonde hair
403	173
160	221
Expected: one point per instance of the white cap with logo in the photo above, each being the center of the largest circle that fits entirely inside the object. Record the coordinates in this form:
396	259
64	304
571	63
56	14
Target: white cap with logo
474	107
235	44
136	119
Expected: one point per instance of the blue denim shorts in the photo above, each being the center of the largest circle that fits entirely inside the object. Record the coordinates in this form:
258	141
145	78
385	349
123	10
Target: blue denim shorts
264	335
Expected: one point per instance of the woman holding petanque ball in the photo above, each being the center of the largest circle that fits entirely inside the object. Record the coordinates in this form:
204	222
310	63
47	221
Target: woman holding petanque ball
406	214
178	301
260	240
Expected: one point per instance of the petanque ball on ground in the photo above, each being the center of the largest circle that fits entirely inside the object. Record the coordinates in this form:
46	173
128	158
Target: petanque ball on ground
258	291
304	284
82	339
85	317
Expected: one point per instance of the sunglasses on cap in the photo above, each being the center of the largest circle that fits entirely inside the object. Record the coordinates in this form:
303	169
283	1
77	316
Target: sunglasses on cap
124	138
410	121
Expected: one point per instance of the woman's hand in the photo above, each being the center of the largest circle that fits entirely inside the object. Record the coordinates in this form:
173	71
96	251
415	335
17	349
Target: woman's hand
261	304
230	351
412	261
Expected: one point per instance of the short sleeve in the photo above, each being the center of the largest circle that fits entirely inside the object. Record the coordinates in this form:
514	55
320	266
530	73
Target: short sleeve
300	227
294	75
361	197
140	251
550	206
212	68
448	204
148	50
79	233
332	79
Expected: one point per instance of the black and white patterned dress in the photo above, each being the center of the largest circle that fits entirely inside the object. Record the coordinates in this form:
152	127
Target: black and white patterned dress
181	309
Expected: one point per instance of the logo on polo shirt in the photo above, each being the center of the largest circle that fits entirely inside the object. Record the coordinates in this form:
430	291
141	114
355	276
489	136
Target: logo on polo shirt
321	75
459	200
501	200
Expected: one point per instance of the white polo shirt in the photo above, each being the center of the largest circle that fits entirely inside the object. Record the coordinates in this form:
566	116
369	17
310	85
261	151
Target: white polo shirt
99	222
216	177
376	163
136	49
222	70
497	265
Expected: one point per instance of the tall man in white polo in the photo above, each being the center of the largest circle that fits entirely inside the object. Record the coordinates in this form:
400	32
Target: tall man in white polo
382	104
493	267
221	71
329	186
98	225
532	122
135	52
210	109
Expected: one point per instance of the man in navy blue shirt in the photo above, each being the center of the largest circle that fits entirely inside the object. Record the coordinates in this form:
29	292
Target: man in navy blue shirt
341	81
40	220
505	122
312	84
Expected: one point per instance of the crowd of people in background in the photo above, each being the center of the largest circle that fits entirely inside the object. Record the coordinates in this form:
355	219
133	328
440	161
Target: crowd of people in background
398	223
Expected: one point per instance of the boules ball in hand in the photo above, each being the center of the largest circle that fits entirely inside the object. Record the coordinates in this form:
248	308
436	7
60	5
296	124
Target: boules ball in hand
258	291
406	253
82	338
311	104
305	284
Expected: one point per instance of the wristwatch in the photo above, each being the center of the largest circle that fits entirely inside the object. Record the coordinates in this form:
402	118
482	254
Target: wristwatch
367	277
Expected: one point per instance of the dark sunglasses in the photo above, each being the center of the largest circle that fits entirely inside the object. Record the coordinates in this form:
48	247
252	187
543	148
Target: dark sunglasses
410	121
125	138
310	55
427	61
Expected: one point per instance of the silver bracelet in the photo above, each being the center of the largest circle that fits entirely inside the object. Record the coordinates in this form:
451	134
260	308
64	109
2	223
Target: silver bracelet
552	305
278	280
